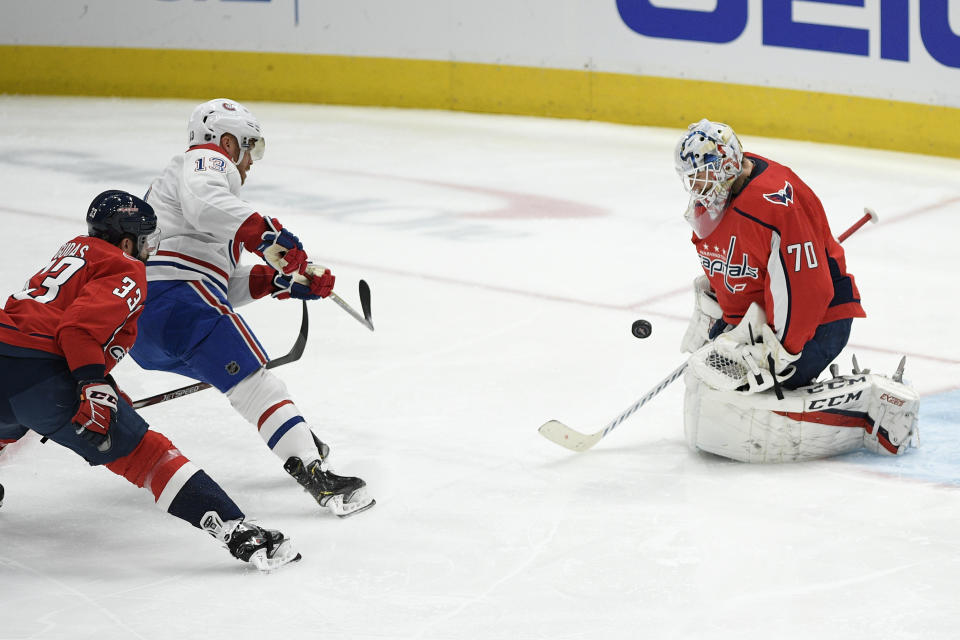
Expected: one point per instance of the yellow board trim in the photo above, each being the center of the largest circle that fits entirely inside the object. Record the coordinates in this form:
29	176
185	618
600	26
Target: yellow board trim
487	88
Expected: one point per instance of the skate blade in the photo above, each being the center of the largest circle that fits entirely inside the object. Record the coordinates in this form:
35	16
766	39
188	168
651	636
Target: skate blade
284	554
359	501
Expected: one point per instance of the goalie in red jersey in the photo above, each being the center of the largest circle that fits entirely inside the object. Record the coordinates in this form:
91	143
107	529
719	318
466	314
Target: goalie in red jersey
59	339
775	275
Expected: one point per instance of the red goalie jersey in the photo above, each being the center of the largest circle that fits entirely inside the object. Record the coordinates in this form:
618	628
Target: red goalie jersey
774	246
83	305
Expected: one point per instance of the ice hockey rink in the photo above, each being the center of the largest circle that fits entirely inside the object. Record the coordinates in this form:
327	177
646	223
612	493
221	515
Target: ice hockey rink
507	259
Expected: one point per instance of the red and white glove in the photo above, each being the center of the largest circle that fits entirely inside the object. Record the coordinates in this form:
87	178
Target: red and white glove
96	413
315	282
281	249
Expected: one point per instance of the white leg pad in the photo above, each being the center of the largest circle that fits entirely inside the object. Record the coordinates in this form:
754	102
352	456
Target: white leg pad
824	419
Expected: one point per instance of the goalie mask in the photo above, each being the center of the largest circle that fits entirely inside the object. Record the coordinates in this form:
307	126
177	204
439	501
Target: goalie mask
708	159
212	119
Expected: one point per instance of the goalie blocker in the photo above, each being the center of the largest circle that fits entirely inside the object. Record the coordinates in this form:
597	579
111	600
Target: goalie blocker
824	419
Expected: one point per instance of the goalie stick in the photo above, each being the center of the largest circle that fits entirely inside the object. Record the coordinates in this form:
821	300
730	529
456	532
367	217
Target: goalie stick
561	434
293	355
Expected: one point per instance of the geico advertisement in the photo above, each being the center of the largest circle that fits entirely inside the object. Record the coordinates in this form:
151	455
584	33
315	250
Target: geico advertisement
897	49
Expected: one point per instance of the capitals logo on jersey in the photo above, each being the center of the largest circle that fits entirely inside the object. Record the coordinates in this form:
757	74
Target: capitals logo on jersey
720	261
783	197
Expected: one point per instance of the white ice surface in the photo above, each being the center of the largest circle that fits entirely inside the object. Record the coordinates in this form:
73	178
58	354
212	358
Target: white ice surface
507	259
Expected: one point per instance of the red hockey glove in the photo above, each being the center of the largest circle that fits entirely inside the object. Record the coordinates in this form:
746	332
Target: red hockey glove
96	413
316	282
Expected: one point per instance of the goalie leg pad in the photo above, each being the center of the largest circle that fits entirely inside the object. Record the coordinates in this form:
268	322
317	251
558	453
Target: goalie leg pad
820	420
895	409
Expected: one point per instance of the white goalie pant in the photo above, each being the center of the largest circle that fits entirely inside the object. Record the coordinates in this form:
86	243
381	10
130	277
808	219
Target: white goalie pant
824	419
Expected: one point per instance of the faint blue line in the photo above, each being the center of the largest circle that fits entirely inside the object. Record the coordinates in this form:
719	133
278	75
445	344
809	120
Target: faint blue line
937	459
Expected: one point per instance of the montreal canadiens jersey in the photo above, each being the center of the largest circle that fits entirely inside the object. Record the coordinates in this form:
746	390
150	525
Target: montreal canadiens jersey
774	246
198	212
83	305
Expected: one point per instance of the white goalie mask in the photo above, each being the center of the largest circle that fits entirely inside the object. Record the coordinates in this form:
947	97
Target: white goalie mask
708	159
212	119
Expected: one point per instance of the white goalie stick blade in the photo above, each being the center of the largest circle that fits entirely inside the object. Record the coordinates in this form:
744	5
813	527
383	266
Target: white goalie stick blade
556	431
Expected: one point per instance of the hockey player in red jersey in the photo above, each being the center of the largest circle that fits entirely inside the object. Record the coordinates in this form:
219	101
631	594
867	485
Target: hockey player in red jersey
774	272
59	339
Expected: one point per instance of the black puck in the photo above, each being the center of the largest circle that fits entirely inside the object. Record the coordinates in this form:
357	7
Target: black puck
641	329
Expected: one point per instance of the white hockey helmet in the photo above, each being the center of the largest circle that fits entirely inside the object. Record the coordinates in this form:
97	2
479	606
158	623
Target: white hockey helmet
709	159
212	119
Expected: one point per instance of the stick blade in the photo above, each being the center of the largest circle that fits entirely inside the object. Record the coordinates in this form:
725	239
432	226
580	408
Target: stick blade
365	303
559	433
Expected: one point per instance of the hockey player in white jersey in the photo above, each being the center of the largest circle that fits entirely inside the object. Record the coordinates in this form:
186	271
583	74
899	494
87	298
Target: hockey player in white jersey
189	325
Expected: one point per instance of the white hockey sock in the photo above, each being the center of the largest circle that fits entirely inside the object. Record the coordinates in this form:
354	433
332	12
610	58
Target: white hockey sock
263	400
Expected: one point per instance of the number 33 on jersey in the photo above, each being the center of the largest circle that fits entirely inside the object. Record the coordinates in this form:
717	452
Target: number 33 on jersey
87	298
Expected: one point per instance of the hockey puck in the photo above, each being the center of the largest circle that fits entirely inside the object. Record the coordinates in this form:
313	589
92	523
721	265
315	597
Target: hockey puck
641	329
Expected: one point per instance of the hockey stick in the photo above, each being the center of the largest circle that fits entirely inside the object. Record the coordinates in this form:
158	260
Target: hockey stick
868	215
364	319
556	431
293	355
561	434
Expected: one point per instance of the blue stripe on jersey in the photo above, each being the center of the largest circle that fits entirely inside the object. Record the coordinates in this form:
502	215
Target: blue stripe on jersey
282	431
205	274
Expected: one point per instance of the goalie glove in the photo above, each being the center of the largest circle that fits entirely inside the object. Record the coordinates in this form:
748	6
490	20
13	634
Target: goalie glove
96	412
749	357
281	249
706	311
315	282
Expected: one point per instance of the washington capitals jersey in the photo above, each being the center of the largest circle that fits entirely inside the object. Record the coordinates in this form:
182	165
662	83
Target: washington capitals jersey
198	212
774	246
83	305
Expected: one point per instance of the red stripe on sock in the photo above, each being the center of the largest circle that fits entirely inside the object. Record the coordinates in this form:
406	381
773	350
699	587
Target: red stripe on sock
269	412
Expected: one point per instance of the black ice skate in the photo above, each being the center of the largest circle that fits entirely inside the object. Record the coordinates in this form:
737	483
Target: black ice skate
343	495
266	549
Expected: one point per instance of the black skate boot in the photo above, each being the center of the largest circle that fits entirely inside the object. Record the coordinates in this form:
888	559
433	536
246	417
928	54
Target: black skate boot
266	549
343	495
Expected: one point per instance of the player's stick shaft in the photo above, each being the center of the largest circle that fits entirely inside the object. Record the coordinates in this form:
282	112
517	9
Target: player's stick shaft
364	319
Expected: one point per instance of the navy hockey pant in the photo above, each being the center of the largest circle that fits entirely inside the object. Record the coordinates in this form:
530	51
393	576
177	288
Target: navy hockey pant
41	395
